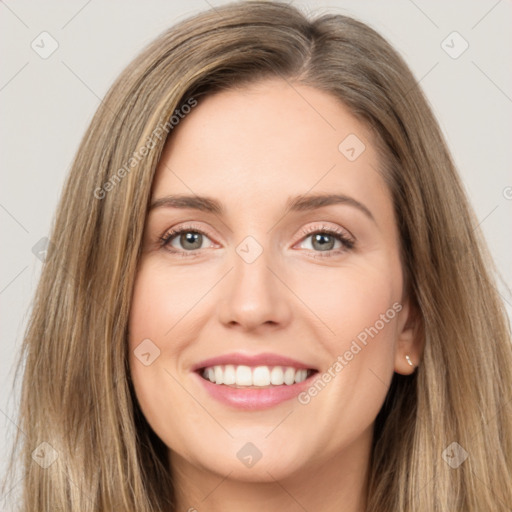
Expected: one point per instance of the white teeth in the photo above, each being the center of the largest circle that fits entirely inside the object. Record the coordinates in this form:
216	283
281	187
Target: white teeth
260	376
277	376
229	374
301	375
243	376
219	374
289	376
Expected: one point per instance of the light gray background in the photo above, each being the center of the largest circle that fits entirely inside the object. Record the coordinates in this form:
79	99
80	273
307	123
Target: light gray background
46	105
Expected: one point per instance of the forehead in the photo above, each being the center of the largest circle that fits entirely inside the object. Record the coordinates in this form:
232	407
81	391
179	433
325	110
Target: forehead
266	142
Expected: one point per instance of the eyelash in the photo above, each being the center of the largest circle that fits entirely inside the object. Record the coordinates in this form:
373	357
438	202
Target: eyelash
347	242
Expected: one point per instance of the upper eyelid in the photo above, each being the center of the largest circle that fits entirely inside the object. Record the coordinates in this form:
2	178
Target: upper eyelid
307	230
310	230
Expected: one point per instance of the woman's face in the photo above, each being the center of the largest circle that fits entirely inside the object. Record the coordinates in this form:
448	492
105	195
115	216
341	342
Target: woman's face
268	285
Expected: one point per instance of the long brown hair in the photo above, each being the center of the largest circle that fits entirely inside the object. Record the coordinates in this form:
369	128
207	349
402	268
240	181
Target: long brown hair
77	395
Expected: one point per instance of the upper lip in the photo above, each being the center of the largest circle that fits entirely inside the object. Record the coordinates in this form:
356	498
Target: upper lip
264	359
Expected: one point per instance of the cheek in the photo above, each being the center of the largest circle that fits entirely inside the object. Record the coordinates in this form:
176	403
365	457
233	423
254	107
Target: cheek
155	310
165	306
163	317
353	302
161	299
359	309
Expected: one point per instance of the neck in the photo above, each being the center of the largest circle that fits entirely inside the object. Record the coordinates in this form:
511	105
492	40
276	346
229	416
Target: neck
327	485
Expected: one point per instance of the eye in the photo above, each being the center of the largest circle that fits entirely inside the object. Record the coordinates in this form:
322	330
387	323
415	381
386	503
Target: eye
186	239
327	242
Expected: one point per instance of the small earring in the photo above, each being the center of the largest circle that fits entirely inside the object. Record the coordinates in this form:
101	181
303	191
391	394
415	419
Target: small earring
409	360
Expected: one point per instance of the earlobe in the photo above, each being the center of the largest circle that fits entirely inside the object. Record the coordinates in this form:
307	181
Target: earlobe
409	343
404	364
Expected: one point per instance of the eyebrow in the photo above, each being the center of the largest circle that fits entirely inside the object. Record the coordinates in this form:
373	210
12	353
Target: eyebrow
295	204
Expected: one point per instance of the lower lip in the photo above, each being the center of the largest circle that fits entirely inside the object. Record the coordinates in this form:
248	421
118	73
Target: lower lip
252	398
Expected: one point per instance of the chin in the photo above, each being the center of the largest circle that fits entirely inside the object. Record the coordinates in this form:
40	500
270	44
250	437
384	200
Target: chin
259	460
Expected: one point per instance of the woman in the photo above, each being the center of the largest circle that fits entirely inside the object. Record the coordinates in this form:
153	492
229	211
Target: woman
332	338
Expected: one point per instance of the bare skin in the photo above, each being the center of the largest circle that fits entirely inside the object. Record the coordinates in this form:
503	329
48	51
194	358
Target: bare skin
251	150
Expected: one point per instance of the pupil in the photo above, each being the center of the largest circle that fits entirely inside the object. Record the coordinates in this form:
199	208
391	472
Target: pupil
192	238
320	238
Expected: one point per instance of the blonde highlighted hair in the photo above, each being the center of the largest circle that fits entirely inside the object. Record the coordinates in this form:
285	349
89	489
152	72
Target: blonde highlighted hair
77	394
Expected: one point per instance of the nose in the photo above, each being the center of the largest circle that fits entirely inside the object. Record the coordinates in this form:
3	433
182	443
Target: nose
254	296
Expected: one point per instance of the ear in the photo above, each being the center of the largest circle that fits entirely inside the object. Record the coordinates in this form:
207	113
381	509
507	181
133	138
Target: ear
410	339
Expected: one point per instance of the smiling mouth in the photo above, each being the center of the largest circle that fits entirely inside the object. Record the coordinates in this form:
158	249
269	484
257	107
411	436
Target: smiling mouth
254	377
